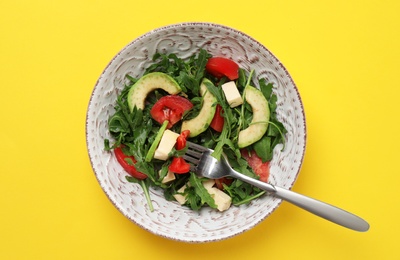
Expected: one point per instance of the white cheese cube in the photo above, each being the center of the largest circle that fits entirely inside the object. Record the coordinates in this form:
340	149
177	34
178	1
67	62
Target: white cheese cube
167	142
169	177
222	200
232	94
180	198
208	184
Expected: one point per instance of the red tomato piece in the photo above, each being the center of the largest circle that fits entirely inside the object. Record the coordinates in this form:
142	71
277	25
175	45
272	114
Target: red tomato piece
121	158
170	108
261	169
179	165
218	120
181	140
220	182
220	66
185	133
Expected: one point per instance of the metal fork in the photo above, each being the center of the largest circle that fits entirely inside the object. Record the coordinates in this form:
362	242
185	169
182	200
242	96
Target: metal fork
205	165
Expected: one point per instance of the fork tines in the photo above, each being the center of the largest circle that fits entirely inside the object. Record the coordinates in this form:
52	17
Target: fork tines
198	147
194	152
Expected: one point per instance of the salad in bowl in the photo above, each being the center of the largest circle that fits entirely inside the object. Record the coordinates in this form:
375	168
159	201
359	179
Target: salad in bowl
204	83
207	100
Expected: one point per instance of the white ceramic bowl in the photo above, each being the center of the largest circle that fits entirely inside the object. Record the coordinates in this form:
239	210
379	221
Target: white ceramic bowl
169	219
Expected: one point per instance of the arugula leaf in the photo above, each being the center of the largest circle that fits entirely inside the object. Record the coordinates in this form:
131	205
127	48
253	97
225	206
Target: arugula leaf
145	186
197	105
242	193
266	88
264	149
200	63
248	199
276	130
200	191
173	187
242	80
230	120
188	74
192	200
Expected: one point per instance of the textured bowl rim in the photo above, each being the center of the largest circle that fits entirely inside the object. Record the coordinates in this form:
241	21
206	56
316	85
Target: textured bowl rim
197	24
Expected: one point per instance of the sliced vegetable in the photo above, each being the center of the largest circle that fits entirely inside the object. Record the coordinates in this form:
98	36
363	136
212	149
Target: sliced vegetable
179	165
181	140
201	122
259	124
217	122
153	147
220	182
170	108
220	66
128	163
138	92
255	162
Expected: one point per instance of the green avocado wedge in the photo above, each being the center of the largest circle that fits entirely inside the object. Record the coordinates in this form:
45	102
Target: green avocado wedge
259	123
202	121
156	80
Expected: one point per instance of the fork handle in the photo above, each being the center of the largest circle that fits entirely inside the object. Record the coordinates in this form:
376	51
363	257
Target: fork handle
319	208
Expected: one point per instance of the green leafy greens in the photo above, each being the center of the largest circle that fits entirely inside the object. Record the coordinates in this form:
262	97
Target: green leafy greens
137	131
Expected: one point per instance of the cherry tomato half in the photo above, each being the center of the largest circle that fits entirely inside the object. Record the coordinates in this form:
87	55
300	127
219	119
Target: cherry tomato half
170	108
121	158
261	169
218	120
220	66
179	165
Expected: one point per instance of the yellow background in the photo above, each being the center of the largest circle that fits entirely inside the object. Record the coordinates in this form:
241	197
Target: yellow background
343	55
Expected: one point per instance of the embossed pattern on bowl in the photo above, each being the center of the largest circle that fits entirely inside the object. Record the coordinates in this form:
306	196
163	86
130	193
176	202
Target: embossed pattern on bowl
170	219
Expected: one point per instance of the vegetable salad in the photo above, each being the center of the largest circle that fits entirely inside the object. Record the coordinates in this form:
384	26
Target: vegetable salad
137	131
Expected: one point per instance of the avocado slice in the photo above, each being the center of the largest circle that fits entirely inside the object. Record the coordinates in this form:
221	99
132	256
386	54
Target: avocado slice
201	122
259	123
148	83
